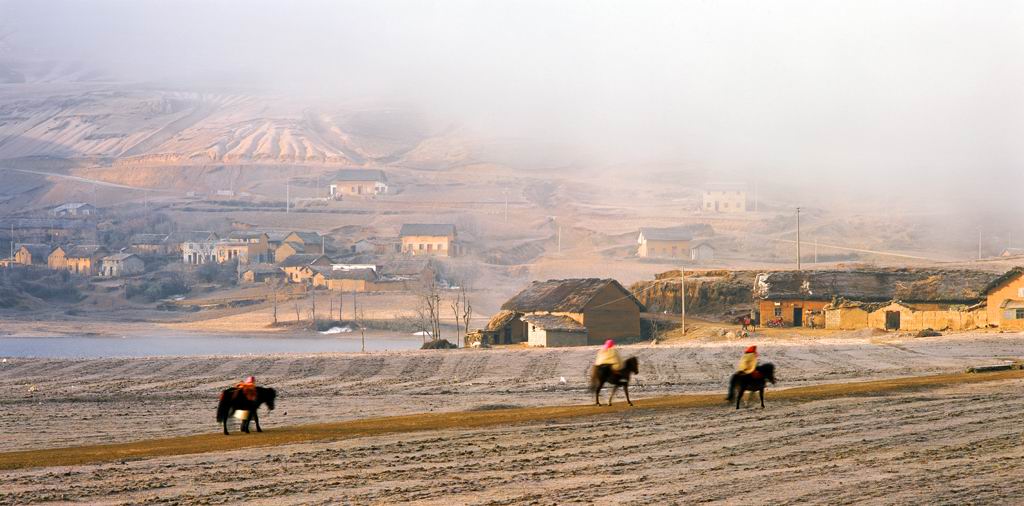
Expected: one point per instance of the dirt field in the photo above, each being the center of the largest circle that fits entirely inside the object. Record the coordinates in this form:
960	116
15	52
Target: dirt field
964	439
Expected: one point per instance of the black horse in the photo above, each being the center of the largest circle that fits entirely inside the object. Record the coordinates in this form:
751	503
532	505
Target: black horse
602	374
753	382
235	399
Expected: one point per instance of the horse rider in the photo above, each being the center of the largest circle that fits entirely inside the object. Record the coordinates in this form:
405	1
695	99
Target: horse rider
609	355
747	365
248	388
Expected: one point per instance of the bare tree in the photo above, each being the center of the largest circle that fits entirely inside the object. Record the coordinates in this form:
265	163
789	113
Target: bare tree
313	312
456	305
297	317
274	288
429	310
467	308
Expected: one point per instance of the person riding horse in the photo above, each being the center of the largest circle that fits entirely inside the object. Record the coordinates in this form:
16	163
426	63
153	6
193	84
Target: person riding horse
609	355
247	388
747	365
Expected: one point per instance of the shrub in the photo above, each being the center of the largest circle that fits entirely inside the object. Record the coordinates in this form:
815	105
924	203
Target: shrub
438	344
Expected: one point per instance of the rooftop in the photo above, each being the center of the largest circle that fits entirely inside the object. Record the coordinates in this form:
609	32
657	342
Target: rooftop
875	285
429	229
562	295
360	175
554	322
666	234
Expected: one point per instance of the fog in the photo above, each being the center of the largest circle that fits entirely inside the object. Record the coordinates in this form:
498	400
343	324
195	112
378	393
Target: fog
874	98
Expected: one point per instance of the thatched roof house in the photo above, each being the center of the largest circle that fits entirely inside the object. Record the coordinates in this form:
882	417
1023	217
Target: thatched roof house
546	312
875	285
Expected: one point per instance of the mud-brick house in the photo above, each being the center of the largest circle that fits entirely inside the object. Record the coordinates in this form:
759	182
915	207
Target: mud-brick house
602	309
199	252
288	249
345	280
702	251
32	254
359	183
256	248
262	273
122	264
1004	300
894	299
663	243
312	242
149	244
73	210
85	260
724	198
429	239
298	268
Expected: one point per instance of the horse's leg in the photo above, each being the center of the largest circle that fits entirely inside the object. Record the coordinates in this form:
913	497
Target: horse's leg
597	392
761	391
226	425
615	387
739	396
625	388
256	418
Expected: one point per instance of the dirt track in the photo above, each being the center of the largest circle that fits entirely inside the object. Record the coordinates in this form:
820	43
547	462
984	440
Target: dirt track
949	445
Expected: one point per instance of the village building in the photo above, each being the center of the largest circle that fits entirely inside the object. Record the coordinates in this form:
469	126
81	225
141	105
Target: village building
893	299
359	183
198	253
602	308
554	331
724	198
298	267
702	251
73	210
376	246
312	242
47	230
288	249
663	243
32	254
1012	252
429	239
345	280
149	244
244	247
262	273
1004	300
175	242
84	260
122	264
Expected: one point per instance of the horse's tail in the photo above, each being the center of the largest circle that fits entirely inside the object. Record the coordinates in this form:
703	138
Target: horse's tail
223	406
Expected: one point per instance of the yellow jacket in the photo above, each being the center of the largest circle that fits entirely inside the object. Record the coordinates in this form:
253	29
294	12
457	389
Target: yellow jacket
609	357
748	362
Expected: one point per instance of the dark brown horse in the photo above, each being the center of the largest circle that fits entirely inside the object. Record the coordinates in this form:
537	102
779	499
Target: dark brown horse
753	382
235	399
601	374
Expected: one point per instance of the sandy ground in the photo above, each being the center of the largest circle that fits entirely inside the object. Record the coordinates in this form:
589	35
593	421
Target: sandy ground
953	445
47	403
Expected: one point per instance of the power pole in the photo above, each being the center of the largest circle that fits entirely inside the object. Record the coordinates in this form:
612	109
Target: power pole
682	301
798	238
287	194
559	237
506	205
323	245
979	244
755	196
815	250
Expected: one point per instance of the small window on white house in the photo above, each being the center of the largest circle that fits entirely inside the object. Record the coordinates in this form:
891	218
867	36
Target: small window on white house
1020	314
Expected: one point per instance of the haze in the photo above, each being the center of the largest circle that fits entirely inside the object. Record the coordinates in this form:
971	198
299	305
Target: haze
879	98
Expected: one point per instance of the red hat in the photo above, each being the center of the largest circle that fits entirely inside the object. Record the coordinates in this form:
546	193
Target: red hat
251	380
752	349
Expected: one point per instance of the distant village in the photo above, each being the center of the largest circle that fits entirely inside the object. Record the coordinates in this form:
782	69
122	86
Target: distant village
552	313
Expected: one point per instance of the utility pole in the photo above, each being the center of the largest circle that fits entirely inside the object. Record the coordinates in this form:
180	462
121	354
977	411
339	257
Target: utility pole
979	244
815	250
755	196
506	204
682	302
797	238
323	244
287	194
559	237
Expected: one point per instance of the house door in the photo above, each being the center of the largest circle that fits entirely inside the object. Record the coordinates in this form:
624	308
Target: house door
798	317
892	320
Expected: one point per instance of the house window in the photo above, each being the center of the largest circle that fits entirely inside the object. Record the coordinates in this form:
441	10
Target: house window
778	311
430	247
1020	314
1020	292
725	205
421	246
